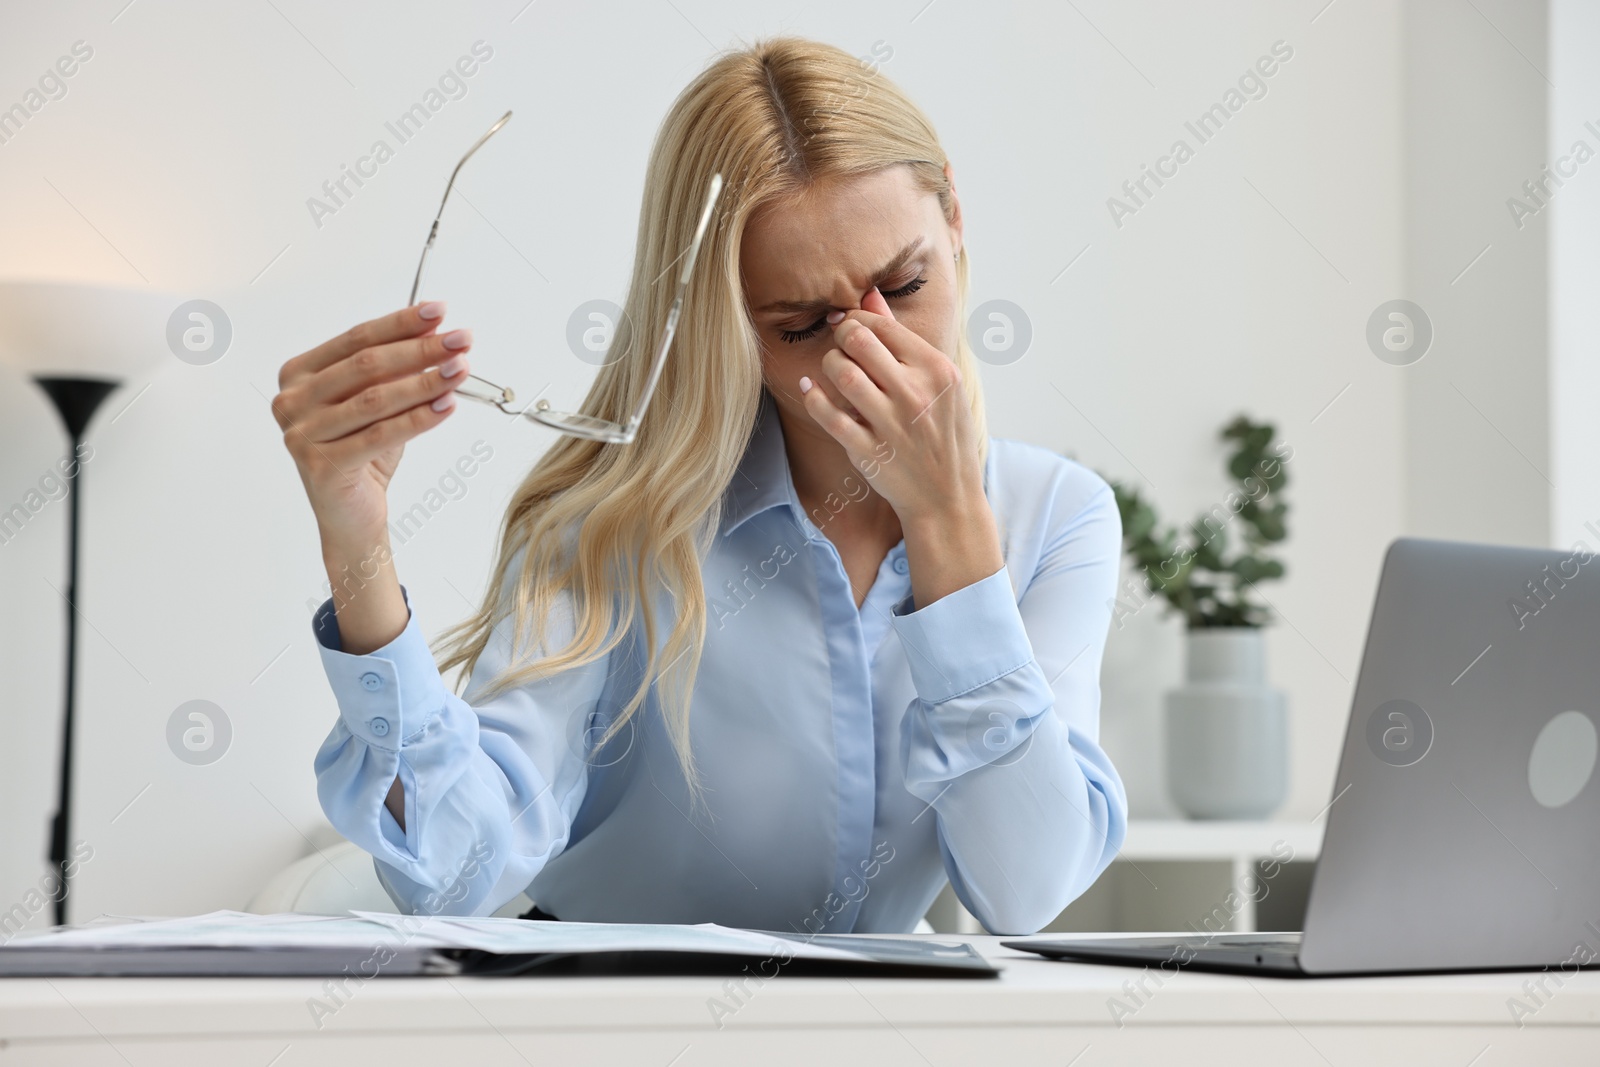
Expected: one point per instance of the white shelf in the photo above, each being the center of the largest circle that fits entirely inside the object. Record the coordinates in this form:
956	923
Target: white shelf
1241	845
1180	839
1238	844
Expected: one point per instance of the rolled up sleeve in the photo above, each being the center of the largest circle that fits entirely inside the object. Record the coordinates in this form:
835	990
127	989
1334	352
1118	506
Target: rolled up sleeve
389	694
988	607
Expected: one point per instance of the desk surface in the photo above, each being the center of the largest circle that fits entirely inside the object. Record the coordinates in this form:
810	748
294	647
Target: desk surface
1037	1011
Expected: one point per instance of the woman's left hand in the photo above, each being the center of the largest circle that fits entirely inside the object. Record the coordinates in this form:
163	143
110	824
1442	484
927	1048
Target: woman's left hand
915	441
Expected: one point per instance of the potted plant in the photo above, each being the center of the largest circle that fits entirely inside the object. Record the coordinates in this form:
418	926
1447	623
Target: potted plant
1227	729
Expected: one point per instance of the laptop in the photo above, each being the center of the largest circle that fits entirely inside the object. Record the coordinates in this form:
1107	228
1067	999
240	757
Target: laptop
1461	834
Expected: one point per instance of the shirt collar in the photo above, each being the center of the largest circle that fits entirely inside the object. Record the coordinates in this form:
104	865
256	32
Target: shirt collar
762	481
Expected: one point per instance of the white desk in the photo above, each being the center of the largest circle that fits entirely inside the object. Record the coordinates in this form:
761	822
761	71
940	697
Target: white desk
1036	1012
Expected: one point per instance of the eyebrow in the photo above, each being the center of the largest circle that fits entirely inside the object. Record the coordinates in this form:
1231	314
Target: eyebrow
899	260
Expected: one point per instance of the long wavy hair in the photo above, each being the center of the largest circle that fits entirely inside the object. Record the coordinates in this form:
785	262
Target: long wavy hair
616	525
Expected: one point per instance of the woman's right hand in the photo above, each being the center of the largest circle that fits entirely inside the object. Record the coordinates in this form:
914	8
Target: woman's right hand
348	406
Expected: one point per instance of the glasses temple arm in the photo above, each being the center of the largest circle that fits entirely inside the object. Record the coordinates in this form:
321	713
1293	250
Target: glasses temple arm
433	230
660	361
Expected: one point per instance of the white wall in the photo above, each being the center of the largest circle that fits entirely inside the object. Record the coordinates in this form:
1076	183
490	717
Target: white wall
187	148
1243	285
1477	406
1571	221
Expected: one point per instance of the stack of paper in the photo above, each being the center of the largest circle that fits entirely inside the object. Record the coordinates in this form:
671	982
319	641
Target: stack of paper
231	942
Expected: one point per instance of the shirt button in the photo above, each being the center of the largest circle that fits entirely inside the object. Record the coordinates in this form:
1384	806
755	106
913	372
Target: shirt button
371	680
901	566
380	727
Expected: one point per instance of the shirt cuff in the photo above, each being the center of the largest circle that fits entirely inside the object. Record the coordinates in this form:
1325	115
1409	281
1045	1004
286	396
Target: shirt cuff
964	639
389	694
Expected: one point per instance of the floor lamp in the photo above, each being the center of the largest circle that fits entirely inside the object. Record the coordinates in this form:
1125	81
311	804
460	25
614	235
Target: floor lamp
76	400
78	343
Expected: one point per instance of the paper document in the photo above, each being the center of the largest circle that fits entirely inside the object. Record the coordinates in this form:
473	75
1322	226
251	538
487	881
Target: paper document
222	929
238	943
525	937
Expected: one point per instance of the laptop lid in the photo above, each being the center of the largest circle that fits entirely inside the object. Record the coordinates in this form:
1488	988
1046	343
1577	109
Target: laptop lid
1464	830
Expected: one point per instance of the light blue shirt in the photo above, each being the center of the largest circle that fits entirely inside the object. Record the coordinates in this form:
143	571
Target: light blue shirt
853	759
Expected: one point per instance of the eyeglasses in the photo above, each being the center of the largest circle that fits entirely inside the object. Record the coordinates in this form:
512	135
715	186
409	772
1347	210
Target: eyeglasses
570	422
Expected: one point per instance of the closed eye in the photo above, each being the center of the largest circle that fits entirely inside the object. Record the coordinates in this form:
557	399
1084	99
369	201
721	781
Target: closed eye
794	337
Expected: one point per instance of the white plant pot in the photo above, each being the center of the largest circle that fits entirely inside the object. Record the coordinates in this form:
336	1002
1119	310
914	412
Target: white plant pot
1227	729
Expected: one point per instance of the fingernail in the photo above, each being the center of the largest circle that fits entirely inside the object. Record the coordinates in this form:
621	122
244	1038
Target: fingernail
433	309
444	403
453	366
457	339
835	316
805	385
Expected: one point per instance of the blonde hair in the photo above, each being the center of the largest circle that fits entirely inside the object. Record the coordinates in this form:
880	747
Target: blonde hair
610	524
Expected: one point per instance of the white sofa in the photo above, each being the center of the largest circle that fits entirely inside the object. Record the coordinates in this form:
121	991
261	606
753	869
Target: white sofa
336	876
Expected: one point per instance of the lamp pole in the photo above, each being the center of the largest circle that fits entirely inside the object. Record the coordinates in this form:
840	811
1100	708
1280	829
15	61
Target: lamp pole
76	400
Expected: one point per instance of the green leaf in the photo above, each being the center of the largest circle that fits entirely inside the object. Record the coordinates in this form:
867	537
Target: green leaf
1256	569
1208	589
1139	522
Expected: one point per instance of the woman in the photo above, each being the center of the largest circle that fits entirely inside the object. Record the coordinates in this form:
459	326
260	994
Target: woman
813	472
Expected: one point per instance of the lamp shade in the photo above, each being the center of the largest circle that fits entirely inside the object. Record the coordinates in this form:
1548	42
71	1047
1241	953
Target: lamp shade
64	329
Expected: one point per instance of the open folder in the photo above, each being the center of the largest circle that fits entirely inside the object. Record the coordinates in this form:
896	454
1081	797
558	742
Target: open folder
368	944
